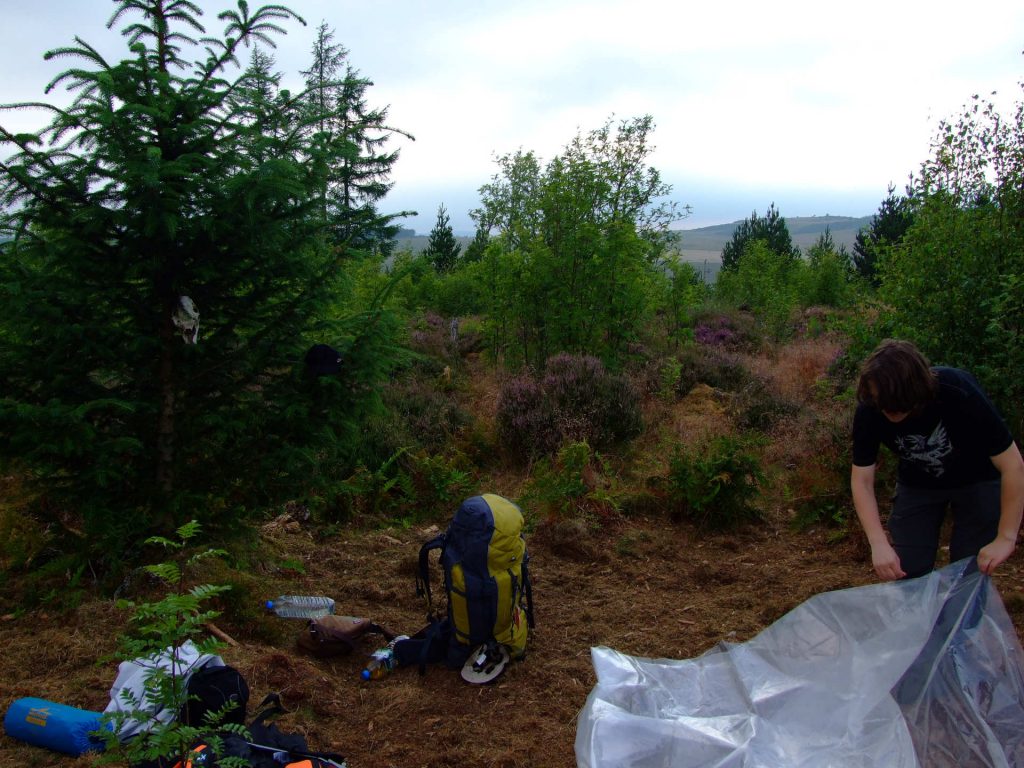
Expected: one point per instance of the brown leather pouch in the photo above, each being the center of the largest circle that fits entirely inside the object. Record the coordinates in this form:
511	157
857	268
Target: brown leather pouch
337	635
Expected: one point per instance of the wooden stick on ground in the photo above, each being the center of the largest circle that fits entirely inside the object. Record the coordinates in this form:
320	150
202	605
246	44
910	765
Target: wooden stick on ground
220	633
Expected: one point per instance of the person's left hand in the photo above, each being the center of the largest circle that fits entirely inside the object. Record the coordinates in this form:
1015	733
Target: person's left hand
995	554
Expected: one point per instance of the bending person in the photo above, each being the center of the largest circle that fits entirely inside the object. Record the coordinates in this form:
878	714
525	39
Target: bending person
955	452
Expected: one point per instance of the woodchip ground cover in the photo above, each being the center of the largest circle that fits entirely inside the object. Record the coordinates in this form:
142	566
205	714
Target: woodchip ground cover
635	582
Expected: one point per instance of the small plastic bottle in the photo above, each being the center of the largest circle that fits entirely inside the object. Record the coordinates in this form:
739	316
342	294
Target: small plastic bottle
301	606
382	661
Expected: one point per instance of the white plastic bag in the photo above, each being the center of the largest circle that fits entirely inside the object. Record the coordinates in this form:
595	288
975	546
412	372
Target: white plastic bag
921	672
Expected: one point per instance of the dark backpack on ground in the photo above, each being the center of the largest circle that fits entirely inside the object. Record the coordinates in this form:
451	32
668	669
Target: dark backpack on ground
486	578
210	689
270	747
267	747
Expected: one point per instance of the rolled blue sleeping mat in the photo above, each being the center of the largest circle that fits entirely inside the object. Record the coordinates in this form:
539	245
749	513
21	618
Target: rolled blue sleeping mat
54	726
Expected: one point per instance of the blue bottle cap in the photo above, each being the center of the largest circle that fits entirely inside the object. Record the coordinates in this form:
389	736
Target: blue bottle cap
270	605
365	674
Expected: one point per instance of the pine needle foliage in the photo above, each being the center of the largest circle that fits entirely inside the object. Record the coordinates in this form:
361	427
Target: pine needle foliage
171	176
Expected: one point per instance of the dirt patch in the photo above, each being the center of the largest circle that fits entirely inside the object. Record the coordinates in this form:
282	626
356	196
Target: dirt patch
636	583
649	588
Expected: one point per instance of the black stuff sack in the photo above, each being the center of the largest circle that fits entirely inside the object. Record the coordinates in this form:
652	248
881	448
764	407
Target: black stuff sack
322	360
217	691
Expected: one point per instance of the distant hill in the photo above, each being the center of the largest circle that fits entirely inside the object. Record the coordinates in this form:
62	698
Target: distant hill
705	244
805	231
407	238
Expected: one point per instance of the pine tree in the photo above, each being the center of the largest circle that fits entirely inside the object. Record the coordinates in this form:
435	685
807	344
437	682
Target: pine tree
167	186
442	249
770	228
893	219
477	246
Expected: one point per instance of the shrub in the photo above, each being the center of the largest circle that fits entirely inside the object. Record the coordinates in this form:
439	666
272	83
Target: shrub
430	335
570	486
818	488
438	482
715	367
526	423
423	413
22	538
766	282
462	292
727	329
590	403
862	332
577	399
715	334
715	484
758	408
371	492
828	279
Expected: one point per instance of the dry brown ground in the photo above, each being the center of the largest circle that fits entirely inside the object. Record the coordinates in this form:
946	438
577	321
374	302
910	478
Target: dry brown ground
638	584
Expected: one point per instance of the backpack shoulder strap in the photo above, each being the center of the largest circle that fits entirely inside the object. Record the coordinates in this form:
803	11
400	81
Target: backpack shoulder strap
423	574
270	706
428	645
528	589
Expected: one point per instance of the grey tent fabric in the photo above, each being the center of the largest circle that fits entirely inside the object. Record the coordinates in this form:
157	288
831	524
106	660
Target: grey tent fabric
924	672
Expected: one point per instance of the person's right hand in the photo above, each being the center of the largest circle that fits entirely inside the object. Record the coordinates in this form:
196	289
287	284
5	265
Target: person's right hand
886	562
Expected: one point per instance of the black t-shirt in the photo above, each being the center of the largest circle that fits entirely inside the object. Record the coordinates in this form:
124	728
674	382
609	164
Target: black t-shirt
948	444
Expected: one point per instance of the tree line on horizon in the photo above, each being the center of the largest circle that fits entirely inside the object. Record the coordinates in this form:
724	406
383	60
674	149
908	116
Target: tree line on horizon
173	178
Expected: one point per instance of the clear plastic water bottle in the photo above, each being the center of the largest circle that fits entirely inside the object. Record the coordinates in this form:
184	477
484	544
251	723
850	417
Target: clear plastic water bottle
382	661
301	606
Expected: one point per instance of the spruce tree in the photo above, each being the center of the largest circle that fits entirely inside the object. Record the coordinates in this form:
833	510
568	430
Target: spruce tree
171	186
357	136
442	249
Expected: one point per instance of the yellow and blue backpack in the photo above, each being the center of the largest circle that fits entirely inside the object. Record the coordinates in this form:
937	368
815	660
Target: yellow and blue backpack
486	578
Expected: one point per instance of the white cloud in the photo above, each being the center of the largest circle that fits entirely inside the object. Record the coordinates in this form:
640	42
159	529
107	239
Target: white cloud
747	95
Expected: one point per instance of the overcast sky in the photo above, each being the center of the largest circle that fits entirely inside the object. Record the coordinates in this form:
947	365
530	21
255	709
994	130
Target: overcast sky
817	106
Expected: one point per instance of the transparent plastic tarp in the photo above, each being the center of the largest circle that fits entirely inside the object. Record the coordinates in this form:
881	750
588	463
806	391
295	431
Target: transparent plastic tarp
925	672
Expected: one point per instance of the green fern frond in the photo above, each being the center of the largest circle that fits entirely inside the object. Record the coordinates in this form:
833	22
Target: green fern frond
164	542
207	591
188	531
167	572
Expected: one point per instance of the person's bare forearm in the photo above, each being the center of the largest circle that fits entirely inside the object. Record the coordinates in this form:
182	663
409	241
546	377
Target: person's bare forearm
1011	497
1011	510
883	557
866	506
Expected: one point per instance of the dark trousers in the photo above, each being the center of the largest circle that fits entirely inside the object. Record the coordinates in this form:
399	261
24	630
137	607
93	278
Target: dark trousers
918	514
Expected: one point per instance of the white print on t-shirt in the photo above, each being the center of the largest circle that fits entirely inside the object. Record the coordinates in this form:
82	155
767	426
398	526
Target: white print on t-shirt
926	452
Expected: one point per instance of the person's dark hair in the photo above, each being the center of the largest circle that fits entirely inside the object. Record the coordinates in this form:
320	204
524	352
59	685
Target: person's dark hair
897	378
